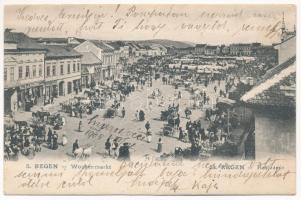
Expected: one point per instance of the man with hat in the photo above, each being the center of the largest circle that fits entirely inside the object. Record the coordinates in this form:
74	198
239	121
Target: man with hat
124	152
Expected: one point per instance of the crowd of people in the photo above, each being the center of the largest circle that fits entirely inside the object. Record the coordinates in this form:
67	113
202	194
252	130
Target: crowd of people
27	139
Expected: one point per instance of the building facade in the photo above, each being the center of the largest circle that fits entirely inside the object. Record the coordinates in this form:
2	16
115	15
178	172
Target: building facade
240	49
212	50
91	69
105	53
200	49
62	72
287	46
273	100
23	72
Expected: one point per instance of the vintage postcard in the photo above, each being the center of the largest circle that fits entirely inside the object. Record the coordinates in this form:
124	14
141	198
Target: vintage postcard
149	99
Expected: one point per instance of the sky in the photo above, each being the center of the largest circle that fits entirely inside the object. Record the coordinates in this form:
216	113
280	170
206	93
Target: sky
212	24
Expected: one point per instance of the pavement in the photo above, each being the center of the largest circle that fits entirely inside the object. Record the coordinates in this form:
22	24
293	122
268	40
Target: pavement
126	129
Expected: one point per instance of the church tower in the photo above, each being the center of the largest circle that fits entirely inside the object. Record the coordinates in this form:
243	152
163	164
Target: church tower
283	29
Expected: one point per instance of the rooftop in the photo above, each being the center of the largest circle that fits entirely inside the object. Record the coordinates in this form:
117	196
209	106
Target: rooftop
241	44
55	51
289	38
56	40
211	47
200	45
102	45
271	89
88	58
23	41
117	44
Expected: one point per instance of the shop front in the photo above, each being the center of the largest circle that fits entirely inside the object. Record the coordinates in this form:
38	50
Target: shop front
85	80
51	91
77	86
98	77
29	95
61	88
10	100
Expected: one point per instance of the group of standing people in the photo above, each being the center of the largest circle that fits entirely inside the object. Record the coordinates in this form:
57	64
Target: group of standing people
140	115
112	149
52	139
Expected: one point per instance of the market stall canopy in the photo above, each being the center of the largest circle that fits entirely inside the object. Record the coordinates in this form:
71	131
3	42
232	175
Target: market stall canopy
225	102
246	58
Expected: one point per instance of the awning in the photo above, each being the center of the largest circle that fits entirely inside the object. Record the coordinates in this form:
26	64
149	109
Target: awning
225	102
50	83
30	85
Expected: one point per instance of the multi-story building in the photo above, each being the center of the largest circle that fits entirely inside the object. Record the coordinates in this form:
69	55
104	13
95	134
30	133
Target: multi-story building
273	101
140	50
105	53
200	49
91	69
240	49
211	50
159	50
23	71
62	71
121	47
171	50
122	56
151	51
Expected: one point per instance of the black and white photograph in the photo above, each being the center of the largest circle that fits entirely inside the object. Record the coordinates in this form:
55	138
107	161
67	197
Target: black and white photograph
120	82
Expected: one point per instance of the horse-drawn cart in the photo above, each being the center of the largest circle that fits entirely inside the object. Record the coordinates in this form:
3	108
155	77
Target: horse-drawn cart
168	130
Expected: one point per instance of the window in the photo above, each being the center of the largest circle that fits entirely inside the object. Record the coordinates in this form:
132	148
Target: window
48	71
27	72
20	72
73	67
5	74
62	69
34	71
53	71
40	70
12	73
78	67
68	70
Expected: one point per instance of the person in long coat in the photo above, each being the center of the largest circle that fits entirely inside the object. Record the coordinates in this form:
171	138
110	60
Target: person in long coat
54	141
108	146
137	115
75	146
80	126
124	152
181	134
141	115
123	112
159	148
49	136
147	126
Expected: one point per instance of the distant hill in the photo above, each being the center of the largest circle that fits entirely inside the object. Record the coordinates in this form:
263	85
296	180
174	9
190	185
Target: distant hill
167	43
